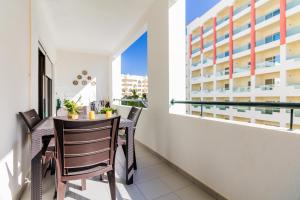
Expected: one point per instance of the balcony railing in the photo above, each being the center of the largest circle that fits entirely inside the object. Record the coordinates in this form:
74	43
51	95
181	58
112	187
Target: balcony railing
296	112
195	50
293	31
207	61
207	29
222	90
241	8
268	16
239	69
208	107
196	79
242	108
268	39
195	64
241	28
196	92
220	21
242	89
207	44
194	37
292	4
222	107
242	48
207	91
276	105
222	73
223	55
268	111
293	57
295	85
207	75
268	87
267	64
223	37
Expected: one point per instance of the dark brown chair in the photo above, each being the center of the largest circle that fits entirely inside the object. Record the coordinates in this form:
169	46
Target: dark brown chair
85	149
32	120
134	115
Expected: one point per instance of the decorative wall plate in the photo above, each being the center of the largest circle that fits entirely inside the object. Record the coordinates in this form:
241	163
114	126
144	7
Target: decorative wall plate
84	82
93	83
89	78
79	77
84	72
75	82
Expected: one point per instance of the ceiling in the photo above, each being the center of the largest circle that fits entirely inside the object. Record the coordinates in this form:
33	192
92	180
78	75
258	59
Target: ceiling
97	26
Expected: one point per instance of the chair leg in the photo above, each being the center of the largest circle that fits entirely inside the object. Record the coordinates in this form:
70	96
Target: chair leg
83	184
134	157
61	187
112	184
101	177
124	149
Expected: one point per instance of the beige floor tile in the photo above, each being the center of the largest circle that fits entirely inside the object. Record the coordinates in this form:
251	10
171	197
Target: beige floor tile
193	193
171	196
154	189
176	181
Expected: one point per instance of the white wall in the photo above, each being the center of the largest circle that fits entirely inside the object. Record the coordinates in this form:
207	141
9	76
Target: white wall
70	64
239	161
14	88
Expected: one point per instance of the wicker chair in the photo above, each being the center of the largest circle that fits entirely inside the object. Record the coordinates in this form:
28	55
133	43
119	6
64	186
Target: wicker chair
85	149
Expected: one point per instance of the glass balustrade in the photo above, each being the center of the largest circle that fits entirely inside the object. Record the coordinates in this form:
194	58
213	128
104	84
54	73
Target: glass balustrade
196	106
268	39
220	21
222	107
207	75
194	37
241	28
196	92
207	90
268	16
238	69
242	108
195	64
207	61
222	73
295	85
267	64
267	87
195	79
296	112
293	57
242	89
195	50
292	4
241	8
222	90
223	55
268	111
208	107
208	44
293	31
207	29
223	37
242	48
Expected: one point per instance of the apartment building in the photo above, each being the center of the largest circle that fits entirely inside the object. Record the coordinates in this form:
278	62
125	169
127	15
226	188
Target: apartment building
133	82
246	50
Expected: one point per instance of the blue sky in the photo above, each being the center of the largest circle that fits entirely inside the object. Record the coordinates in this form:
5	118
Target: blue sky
134	58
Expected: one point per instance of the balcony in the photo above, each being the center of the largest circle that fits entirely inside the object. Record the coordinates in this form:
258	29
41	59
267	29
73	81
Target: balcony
242	109
207	29
242	48
207	61
292	4
196	50
224	19
222	73
269	87
195	37
207	44
268	64
196	64
294	85
223	37
241	69
242	89
268	111
293	31
241	8
268	16
207	76
268	39
223	55
222	90
293	57
222	107
196	92
241	28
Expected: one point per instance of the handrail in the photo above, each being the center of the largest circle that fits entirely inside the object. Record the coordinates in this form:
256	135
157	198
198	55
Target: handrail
286	105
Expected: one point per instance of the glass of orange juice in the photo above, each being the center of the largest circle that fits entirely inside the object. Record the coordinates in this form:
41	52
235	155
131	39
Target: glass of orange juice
92	115
108	114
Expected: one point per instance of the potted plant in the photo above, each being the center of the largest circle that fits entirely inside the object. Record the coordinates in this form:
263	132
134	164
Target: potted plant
108	111
72	108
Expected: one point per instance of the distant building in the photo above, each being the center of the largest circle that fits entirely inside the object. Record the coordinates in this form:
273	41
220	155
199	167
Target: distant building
133	82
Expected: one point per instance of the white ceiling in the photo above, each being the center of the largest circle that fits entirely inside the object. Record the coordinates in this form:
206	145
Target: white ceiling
93	25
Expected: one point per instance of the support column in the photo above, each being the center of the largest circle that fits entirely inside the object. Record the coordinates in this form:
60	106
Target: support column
282	22
230	41
215	39
253	37
201	39
190	46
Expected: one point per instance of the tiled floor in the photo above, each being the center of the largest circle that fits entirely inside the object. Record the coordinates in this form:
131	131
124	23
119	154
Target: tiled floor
154	179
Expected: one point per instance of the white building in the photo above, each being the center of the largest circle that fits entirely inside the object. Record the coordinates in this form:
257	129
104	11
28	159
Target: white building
134	82
246	51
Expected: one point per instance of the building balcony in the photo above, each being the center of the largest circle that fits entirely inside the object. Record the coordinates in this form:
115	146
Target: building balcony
196	79
241	69
293	31
207	29
222	90
268	16
294	86
241	8
224	19
223	55
242	109
268	39
291	4
207	44
208	76
223	37
269	87
242	89
241	28
222	73
242	48
223	107
196	92
195	37
196	64
295	58
207	61
268	111
196	50
268	64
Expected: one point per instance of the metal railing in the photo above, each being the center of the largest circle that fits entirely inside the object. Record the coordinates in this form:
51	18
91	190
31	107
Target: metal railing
291	106
268	16
241	28
241	8
292	4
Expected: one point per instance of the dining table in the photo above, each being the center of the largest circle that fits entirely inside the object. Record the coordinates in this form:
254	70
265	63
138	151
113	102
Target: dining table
46	128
